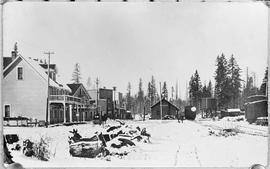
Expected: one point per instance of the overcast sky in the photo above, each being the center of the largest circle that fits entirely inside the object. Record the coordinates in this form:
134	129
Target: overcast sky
122	42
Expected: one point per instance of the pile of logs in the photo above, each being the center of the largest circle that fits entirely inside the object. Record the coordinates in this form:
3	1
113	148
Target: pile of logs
222	132
115	140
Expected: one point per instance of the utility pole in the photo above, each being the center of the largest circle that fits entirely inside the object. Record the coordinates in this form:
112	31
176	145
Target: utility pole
160	101
97	81
48	87
247	77
176	91
187	92
114	103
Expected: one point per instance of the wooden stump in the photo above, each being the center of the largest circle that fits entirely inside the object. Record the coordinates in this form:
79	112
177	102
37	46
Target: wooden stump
86	149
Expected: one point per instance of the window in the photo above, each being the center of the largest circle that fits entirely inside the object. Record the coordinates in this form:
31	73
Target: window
20	73
7	110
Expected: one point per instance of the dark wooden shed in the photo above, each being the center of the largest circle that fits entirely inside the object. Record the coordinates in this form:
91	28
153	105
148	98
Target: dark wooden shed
167	109
255	107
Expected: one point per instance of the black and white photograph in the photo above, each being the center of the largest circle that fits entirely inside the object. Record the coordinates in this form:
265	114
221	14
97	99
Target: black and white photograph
135	83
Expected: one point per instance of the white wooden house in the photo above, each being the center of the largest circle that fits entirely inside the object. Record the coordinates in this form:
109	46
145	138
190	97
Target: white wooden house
25	90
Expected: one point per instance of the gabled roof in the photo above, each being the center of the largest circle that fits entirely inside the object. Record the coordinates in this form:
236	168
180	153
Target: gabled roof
164	100
38	69
45	66
6	61
75	88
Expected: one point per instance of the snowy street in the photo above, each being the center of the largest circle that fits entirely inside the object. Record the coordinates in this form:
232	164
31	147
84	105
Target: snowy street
172	144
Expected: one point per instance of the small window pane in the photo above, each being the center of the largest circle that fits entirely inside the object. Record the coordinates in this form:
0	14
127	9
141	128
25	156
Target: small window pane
20	73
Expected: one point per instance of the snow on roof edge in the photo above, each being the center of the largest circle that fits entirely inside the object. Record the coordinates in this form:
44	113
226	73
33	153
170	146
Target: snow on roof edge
43	74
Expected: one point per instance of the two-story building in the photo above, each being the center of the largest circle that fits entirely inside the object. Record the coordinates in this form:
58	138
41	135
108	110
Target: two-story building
25	92
82	110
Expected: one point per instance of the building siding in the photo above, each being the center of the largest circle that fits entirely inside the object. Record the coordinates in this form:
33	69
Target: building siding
167	109
27	97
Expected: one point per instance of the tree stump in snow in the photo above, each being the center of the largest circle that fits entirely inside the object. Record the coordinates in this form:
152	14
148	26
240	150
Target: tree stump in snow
87	149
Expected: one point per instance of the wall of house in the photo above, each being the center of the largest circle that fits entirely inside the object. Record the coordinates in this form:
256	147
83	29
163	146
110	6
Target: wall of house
27	97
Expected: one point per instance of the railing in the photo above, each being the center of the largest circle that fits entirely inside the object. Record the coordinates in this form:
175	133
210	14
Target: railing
69	99
66	98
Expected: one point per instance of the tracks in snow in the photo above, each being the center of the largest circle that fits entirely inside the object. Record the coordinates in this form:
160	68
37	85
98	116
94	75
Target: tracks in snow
242	129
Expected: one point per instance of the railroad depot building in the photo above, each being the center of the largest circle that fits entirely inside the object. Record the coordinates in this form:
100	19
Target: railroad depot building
25	91
167	109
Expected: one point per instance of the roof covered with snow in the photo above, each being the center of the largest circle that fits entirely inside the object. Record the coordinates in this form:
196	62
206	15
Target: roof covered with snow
164	100
6	61
39	70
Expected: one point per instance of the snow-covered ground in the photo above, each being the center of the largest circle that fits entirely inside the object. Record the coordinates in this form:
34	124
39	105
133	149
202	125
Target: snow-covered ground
172	144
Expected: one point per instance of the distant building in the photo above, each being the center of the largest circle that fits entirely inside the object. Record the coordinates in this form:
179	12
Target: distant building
105	100
167	109
121	112
85	109
208	106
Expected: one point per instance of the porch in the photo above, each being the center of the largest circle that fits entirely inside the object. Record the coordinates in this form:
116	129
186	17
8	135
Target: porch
65	108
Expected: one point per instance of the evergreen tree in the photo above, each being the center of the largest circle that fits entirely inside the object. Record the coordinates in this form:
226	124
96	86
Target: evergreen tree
154	94
140	92
128	97
76	76
172	96
222	92
204	91
147	105
209	89
191	88
263	87
164	91
147	99
140	98
195	89
149	90
176	90
89	83
234	81
249	90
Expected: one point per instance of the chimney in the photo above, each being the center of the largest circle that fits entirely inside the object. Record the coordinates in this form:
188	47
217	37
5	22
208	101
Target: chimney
54	76
14	52
13	55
